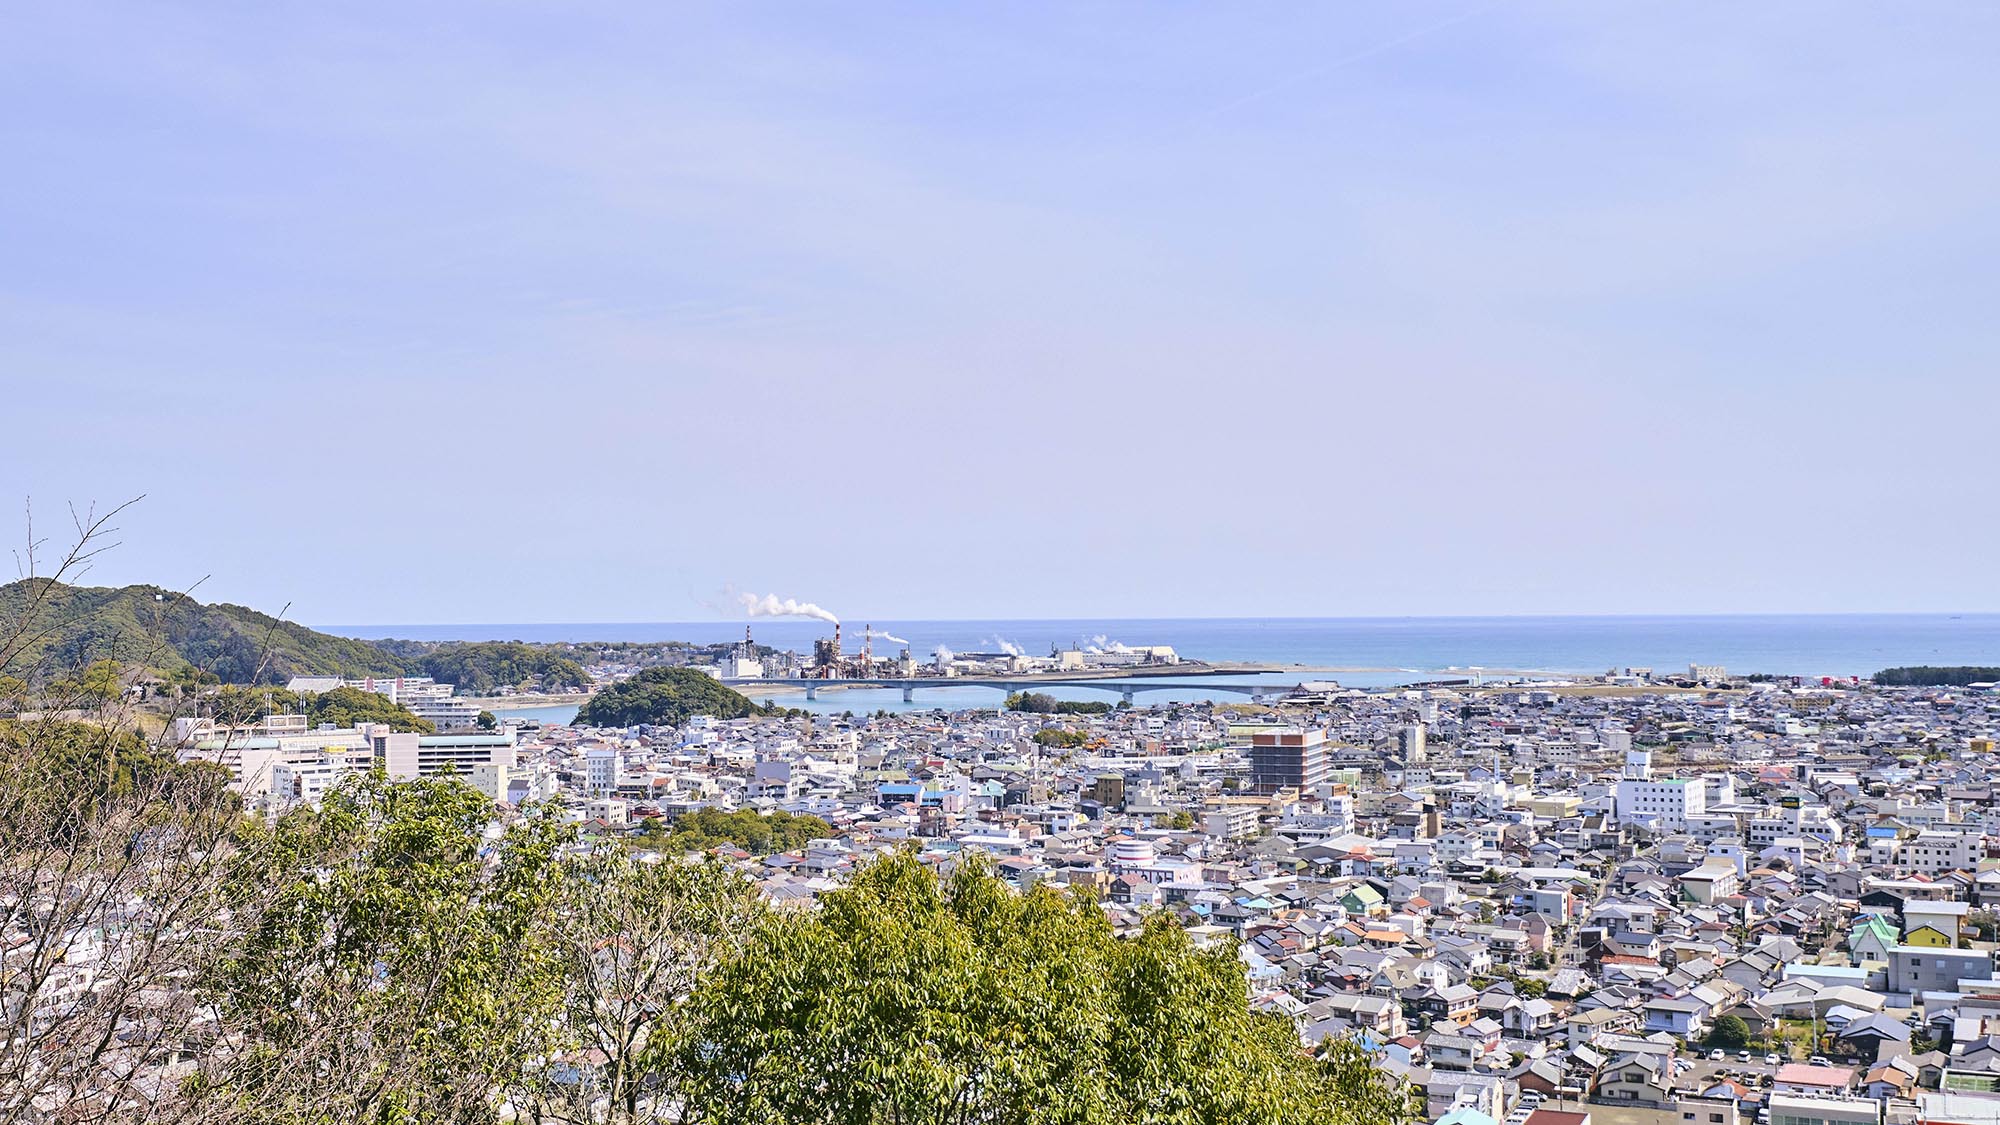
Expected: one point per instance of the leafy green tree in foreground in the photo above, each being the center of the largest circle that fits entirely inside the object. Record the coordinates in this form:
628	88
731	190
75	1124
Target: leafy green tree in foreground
910	999
397	963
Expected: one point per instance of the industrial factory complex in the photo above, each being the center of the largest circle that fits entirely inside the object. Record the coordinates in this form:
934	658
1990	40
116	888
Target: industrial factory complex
830	660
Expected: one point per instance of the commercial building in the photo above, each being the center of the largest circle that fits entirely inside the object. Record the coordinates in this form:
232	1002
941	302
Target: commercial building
482	761
1793	1109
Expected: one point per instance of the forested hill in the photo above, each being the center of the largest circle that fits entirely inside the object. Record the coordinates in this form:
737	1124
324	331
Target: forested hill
151	627
480	667
173	634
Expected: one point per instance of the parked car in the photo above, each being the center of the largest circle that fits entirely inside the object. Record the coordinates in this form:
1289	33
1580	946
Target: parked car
1772	1060
1743	1056
1820	1060
1717	1055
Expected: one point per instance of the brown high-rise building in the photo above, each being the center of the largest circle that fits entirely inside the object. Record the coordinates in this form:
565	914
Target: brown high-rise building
1288	759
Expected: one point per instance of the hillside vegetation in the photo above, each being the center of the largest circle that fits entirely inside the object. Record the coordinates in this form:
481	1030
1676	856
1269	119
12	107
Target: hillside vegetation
663	697
481	667
156	628
175	636
342	707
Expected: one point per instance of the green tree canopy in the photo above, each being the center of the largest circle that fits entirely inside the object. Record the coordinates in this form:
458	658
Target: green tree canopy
479	667
757	833
1729	1033
1928	676
101	683
1038	703
906	998
56	775
343	707
346	707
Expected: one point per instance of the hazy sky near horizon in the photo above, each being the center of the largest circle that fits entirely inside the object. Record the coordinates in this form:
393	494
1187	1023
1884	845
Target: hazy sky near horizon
588	312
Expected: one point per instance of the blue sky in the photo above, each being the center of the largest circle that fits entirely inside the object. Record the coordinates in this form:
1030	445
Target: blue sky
520	311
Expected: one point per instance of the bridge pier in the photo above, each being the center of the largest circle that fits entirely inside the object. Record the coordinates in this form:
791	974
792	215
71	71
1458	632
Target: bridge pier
1126	696
812	693
909	695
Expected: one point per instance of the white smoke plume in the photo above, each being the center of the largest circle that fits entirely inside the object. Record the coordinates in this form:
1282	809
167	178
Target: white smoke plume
1101	644
771	605
944	654
1006	646
890	637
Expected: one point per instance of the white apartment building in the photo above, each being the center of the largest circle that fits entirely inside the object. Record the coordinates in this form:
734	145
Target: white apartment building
1665	805
306	777
600	770
1806	820
1233	818
1932	851
1411	741
446	714
1721	789
1339	811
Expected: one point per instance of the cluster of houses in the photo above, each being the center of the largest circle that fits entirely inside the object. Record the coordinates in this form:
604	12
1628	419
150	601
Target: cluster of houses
1750	903
1756	903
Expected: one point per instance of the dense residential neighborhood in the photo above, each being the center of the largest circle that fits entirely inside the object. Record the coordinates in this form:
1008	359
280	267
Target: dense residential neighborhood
1749	902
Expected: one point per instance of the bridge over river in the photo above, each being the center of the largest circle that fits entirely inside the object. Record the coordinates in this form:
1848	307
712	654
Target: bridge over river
1125	688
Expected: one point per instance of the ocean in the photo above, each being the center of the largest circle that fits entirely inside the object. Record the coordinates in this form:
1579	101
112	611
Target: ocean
1368	651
